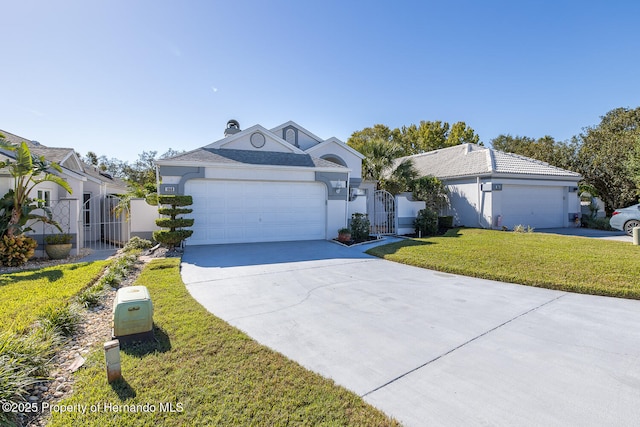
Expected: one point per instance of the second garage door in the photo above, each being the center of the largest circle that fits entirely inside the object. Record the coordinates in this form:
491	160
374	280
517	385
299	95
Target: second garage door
537	206
256	211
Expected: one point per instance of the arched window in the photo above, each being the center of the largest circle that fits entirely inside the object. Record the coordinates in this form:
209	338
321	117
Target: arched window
335	159
290	136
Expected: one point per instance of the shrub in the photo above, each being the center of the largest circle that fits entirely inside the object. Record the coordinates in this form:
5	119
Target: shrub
63	319
137	243
445	222
426	223
360	226
58	239
91	297
24	360
16	250
522	229
596	223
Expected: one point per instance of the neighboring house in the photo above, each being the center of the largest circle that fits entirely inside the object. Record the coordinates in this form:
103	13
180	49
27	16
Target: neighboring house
491	189
258	185
86	213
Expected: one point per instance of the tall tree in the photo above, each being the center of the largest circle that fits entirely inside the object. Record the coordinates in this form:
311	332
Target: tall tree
546	149
633	165
604	156
462	134
379	158
378	132
91	158
429	136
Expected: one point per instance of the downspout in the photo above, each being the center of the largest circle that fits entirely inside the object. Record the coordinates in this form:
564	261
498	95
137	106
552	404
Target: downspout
346	208
157	179
480	201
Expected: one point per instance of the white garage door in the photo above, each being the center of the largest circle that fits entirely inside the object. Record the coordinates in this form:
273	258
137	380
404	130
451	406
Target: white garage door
537	206
253	211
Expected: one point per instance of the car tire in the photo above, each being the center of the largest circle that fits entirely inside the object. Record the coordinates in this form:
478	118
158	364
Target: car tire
629	226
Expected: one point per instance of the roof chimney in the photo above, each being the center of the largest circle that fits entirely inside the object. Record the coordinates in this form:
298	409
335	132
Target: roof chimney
232	127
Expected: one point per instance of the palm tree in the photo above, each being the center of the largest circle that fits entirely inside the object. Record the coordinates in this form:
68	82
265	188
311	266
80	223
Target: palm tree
378	165
27	171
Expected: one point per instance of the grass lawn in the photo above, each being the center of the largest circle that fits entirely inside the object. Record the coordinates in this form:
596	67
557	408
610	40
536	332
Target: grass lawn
26	294
212	374
575	264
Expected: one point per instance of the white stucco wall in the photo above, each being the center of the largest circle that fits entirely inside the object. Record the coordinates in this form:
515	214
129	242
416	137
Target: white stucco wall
465	204
336	218
406	212
305	141
336	149
358	205
143	216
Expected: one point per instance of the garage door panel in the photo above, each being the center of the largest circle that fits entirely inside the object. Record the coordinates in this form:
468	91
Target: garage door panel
540	207
252	211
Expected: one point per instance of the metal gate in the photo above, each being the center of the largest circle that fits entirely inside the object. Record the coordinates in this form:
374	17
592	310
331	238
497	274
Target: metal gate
105	222
384	213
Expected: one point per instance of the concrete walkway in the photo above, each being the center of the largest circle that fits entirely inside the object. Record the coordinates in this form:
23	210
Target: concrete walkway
429	348
620	236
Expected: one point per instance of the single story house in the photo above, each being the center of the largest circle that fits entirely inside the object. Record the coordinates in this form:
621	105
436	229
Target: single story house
258	185
87	212
493	189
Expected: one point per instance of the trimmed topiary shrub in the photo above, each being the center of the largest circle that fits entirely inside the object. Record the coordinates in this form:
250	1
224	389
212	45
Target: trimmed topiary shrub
176	233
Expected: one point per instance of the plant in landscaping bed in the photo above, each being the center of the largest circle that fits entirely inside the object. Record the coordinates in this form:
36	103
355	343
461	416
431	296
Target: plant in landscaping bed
91	297
176	232
360	226
16	250
58	246
597	223
522	229
24	361
58	239
137	243
344	235
426	223
17	208
62	319
445	222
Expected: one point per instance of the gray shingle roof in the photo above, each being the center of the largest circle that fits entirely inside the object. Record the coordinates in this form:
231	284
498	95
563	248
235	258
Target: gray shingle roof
52	154
250	157
474	160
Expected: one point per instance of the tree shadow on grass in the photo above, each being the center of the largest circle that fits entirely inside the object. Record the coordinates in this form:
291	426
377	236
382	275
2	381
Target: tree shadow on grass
20	276
159	343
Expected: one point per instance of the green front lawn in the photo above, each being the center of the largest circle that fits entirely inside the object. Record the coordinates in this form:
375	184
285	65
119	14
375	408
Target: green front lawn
208	373
27	294
575	264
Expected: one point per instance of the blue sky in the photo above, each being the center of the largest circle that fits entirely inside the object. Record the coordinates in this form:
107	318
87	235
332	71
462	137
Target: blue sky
121	77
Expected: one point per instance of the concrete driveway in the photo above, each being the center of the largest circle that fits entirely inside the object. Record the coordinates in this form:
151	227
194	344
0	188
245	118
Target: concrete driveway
425	347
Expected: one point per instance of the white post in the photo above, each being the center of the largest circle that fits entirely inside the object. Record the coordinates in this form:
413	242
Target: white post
112	358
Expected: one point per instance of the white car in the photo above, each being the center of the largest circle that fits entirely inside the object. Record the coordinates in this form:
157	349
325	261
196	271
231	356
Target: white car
625	219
